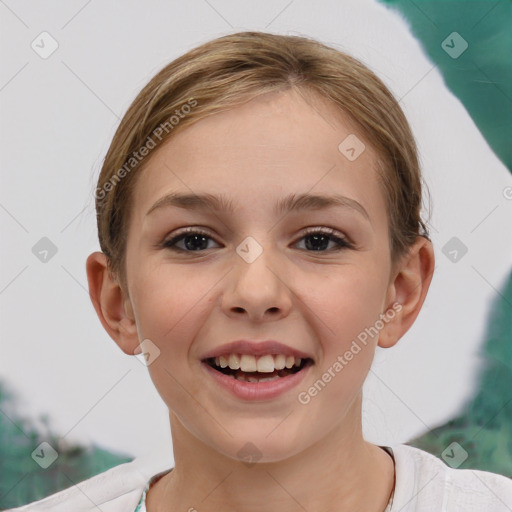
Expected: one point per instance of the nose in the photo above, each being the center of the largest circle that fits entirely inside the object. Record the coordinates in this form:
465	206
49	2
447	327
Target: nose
256	289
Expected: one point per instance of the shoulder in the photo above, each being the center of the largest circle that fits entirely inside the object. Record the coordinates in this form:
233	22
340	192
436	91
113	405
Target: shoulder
424	482
118	489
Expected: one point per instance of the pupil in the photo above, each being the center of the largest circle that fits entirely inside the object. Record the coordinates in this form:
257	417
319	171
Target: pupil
196	238
316	238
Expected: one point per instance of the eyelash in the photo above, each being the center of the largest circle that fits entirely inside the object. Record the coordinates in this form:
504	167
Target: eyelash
334	235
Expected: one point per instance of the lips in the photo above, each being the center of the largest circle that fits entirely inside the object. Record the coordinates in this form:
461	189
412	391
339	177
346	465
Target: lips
257	370
256	348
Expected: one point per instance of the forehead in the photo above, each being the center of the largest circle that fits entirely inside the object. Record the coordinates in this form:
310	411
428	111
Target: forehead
255	154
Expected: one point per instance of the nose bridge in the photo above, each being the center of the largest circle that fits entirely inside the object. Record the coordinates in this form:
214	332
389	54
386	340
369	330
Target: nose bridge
254	260
256	286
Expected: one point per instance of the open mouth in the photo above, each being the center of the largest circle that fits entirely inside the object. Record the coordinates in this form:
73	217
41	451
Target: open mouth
264	369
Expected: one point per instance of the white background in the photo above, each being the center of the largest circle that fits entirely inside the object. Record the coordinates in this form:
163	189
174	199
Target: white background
58	117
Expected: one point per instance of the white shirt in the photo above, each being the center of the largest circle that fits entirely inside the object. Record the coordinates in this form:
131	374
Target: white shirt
423	484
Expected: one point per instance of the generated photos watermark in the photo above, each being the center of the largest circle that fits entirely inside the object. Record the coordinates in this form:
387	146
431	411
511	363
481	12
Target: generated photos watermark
304	397
137	156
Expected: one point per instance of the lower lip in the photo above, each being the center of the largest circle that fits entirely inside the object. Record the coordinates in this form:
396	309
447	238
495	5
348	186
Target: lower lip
257	390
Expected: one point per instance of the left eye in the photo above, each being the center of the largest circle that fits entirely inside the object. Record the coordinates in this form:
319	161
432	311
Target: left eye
316	240
319	237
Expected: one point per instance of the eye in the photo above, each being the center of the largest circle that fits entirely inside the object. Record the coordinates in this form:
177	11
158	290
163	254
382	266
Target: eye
317	238
194	238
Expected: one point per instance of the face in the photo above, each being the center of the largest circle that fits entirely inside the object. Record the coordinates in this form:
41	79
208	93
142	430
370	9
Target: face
310	279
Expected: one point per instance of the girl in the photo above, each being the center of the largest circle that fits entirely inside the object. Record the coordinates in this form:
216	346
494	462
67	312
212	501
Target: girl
259	219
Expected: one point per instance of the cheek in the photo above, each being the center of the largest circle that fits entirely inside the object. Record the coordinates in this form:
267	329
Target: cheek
171	306
168	301
346	302
344	312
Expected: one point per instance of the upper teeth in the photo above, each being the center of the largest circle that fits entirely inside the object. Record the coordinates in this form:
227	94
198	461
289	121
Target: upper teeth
265	364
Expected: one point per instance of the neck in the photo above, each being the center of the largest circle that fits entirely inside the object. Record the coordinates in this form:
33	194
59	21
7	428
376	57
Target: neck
340	473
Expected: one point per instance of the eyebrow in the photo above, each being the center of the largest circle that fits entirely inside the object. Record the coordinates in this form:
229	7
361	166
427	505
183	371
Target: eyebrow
292	202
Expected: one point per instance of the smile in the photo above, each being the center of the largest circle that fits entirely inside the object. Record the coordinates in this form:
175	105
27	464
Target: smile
257	378
248	368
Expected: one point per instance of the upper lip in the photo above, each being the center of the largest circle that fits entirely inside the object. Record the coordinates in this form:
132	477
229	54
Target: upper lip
255	348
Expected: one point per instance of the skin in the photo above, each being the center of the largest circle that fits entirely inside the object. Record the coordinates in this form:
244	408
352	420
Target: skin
313	456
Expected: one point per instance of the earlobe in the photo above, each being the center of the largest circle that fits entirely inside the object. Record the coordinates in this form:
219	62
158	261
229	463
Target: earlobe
113	309
408	290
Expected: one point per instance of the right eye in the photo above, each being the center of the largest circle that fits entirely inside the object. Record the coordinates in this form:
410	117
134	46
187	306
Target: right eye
194	240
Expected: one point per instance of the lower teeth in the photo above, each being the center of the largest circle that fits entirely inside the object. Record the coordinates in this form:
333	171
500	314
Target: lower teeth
252	378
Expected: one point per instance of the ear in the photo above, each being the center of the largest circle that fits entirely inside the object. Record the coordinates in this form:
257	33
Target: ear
407	290
112	305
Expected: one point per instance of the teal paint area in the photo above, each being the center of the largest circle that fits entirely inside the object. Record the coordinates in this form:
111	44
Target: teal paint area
23	475
471	44
480	436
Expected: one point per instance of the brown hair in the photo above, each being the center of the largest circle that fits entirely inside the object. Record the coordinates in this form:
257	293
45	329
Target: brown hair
230	70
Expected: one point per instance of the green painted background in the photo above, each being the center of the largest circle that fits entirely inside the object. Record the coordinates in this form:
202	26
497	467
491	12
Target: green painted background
482	78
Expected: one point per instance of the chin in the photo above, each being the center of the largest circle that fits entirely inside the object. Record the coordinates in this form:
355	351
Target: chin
260	445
